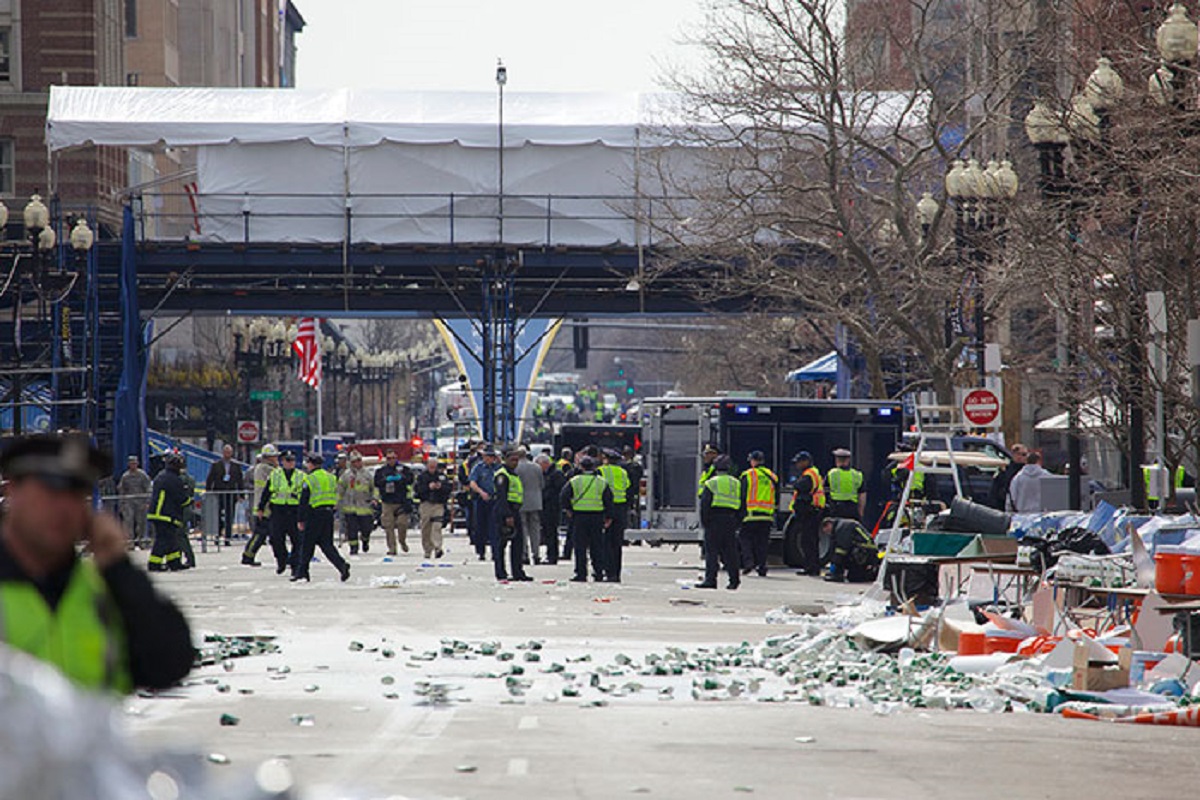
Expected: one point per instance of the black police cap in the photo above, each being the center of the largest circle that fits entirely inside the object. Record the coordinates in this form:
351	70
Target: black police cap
67	461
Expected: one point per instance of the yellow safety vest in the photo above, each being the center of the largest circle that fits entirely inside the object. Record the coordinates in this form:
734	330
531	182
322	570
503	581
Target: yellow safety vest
818	492
1150	493
516	490
283	491
618	480
704	476
760	493
726	491
844	484
587	492
322	489
83	636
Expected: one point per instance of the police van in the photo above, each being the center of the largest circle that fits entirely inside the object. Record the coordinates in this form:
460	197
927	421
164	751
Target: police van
676	429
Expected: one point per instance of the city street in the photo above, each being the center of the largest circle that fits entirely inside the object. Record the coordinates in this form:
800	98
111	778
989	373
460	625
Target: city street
351	720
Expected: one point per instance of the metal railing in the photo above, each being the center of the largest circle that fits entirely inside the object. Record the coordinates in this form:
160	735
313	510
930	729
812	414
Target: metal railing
448	218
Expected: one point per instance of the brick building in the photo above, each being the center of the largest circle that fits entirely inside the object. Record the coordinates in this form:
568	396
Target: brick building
118	43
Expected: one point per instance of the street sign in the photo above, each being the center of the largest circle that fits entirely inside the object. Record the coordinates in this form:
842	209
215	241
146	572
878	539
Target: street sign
247	431
266	394
981	408
298	413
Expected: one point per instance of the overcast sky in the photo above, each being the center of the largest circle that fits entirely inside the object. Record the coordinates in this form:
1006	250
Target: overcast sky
547	45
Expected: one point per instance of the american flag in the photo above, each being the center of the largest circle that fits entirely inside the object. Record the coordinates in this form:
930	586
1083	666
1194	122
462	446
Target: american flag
308	348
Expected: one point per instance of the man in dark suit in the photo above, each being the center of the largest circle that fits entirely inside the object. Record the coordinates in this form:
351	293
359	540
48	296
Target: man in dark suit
226	480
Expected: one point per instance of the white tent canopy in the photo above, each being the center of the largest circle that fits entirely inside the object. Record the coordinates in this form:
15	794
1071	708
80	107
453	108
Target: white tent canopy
134	117
286	165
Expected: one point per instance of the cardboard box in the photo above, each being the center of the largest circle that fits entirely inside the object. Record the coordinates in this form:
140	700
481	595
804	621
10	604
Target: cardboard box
1100	676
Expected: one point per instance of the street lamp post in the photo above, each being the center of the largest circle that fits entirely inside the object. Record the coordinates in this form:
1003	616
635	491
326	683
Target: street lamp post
501	79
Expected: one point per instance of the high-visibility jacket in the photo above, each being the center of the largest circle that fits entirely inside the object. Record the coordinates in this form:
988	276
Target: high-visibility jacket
564	465
285	491
262	475
618	480
83	635
587	492
726	491
844	484
761	493
1151	494
356	491
322	489
516	490
818	491
707	473
918	484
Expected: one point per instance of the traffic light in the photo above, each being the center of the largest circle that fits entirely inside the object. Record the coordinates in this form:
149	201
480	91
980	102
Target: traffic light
629	388
417	442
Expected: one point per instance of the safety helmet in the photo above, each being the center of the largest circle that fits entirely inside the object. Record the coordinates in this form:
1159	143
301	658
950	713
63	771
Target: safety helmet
270	450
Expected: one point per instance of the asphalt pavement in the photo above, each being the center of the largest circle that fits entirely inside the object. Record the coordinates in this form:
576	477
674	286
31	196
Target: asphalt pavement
420	679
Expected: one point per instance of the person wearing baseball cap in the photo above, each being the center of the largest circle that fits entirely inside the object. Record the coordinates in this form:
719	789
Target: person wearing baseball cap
808	505
721	506
760	493
98	619
482	482
847	491
260	523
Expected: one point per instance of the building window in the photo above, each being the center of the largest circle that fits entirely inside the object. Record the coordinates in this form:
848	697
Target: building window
7	181
131	19
6	55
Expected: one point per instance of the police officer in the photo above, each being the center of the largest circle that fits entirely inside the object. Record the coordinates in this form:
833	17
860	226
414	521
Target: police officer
260	523
759	487
482	481
708	456
98	619
847	494
808	505
589	502
510	493
721	507
168	496
617	478
318	499
282	494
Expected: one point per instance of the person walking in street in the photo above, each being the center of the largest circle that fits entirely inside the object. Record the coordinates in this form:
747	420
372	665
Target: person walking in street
589	503
432	491
282	495
318	499
392	485
509	494
617	478
168	496
225	483
760	491
1025	491
808	505
356	497
134	491
553	481
721	506
260	522
847	492
483	490
531	506
96	618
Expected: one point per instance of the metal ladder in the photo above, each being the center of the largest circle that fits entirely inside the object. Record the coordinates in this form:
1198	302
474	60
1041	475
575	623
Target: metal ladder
934	423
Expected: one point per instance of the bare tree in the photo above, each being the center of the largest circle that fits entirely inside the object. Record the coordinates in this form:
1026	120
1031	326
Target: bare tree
819	135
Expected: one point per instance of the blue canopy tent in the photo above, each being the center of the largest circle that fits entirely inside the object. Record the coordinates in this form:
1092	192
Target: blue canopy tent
824	368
